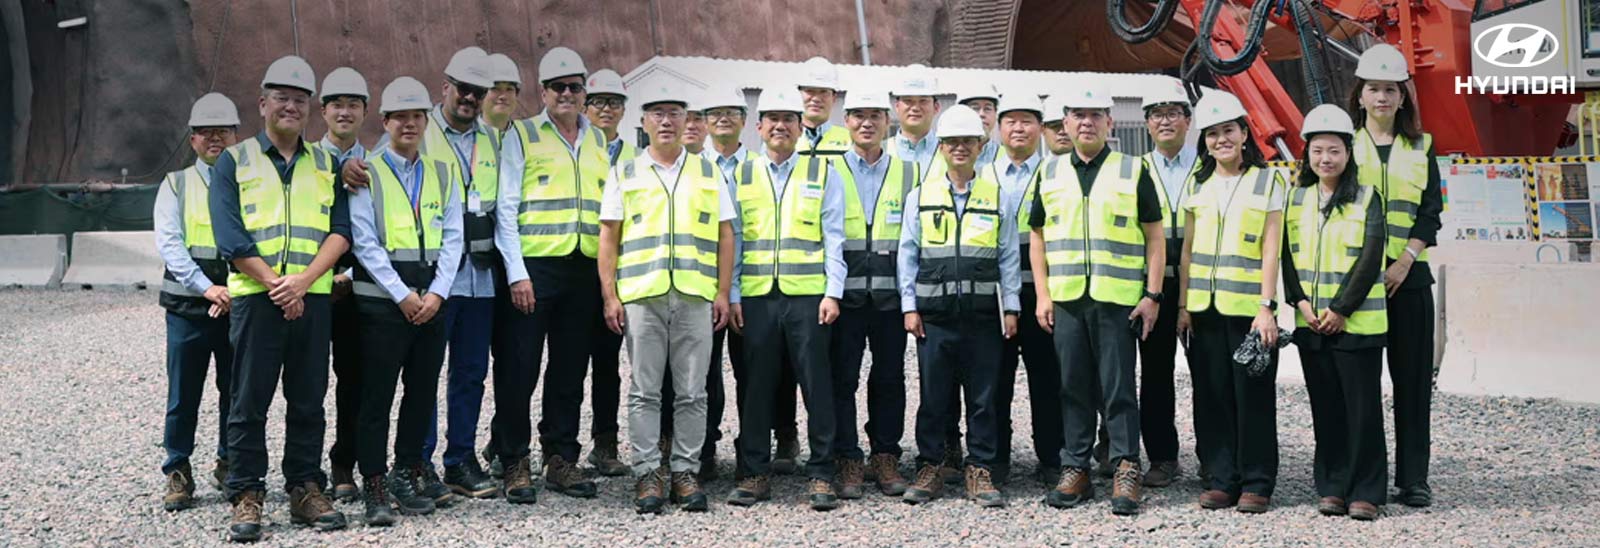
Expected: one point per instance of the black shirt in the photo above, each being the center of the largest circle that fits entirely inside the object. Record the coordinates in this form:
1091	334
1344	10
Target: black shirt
1427	224
1367	270
1149	201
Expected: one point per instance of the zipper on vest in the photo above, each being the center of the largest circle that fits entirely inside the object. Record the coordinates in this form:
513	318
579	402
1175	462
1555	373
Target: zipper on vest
288	214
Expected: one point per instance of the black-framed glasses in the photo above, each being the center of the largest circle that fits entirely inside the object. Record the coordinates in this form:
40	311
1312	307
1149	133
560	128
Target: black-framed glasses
604	102
564	87
468	90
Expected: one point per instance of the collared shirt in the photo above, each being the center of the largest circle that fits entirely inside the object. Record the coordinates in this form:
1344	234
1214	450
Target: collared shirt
868	177
991	150
611	203
614	149
1014	179
170	233
370	251
506	236
911	251
921	152
339	156
472	280
1173	172
728	164
832	225
227	221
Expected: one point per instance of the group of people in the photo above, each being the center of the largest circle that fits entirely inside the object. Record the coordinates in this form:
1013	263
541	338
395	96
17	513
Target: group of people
1001	229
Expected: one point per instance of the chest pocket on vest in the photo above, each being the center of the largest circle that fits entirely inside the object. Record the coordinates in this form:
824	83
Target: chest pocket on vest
1252	225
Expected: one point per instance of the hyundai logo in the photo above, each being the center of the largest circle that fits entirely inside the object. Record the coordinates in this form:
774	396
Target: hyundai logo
1496	43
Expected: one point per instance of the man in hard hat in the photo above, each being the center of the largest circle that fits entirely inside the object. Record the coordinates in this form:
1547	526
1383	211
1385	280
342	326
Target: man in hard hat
605	106
666	263
1098	256
875	187
280	221
194	291
1056	140
1017	171
500	103
984	100
958	282
548	234
1172	165
344	110
916	107
694	129
407	231
819	89
791	276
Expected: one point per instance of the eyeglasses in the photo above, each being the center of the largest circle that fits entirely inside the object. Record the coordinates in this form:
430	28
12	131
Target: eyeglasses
662	115
1170	115
468	90
563	87
604	102
724	113
966	142
214	132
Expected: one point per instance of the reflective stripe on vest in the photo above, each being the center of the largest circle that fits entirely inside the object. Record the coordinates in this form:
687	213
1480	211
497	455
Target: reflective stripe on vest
870	262
1400	181
782	234
1094	243
1171	210
958	264
1325	249
669	240
287	220
560	210
478	228
1225	260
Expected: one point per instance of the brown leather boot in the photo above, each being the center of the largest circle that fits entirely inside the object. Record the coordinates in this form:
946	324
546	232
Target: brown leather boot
1125	488
851	477
518	482
246	524
308	506
1332	506
884	469
1162	474
686	491
1214	499
821	495
1073	489
180	489
927	486
650	493
604	457
566	478
750	491
981	489
1363	511
1251	503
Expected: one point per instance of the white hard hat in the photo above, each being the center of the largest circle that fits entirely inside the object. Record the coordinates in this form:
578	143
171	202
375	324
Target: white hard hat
856	100
1055	109
561	62
344	81
723	98
1328	119
606	82
959	121
777	99
1382	63
291	71
1217	107
405	93
213	110
1020	100
504	69
918	83
471	66
979	91
1086	97
1168	93
661	93
817	72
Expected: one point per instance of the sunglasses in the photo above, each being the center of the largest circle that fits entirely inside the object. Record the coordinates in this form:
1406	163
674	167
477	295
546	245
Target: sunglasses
564	87
468	90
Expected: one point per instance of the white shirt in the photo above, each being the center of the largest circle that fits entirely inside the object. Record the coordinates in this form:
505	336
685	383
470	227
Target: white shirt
611	207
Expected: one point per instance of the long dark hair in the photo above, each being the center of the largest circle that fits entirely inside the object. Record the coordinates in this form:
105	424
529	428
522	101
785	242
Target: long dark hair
1349	184
1406	120
1251	157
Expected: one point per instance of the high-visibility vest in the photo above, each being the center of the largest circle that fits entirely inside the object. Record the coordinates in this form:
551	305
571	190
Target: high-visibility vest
1325	249
1094	243
194	211
958	267
287	219
833	142
625	155
870	248
478	228
669	240
1024	212
411	236
1401	181
783	233
1172	210
560	211
1225	265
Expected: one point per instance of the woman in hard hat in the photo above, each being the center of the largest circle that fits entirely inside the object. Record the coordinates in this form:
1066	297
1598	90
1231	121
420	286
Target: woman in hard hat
1227	283
1334	231
1396	157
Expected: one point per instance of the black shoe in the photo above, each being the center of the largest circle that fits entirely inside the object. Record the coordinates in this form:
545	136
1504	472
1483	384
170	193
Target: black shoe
708	465
1416	496
219	474
496	471
344	484
246	524
379	512
468	480
402	485
428	485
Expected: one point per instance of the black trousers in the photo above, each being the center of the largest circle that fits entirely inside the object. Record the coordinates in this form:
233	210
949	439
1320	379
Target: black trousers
965	353
716	395
347	392
267	347
1351	460
605	381
1411	316
1037	351
1096	351
776	326
1157	393
394	350
884	331
563	320
784	422
1240	433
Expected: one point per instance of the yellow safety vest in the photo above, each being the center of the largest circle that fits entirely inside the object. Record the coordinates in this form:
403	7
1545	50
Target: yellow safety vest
1325	249
411	236
1225	266
669	239
833	142
194	211
871	260
1401	181
287	219
958	267
560	211
478	227
1171	210
1024	212
783	233
625	156
1094	244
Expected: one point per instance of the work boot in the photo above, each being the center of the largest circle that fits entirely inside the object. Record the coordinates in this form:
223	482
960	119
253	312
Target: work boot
821	494
566	478
344	484
428	485
1332	506
927	486
1416	496
1214	499
518	484
981	489
468	480
308	506
1251	503
402	484
851	477
1125	488
686	491
884	469
219	474
750	491
180	489
950	469
1073	489
787	460
379	512
708	464
490	457
650	493
1363	511
604	457
1162	473
246	524
1048	476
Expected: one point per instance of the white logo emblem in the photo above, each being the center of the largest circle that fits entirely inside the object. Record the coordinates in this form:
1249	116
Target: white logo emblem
1536	48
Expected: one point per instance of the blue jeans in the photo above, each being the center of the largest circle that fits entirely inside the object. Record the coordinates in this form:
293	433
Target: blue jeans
191	345
469	323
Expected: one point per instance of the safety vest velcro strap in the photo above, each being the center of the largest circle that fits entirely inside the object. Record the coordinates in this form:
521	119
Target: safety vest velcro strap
201	252
414	255
1073	269
1071	244
957	287
1403	206
1117	248
177	289
1225	261
372	289
481	246
854	244
1117	272
1205	284
663	264
647	243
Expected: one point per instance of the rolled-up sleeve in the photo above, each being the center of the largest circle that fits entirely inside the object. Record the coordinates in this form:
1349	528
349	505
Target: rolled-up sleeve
833	233
506	237
169	238
910	253
451	240
227	226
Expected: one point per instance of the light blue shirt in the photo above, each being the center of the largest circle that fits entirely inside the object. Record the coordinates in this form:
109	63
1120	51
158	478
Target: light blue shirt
868	177
169	233
356	150
911	251
991	150
506	236
832	226
472	280
370	251
727	164
814	135
1171	173
1014	179
921	152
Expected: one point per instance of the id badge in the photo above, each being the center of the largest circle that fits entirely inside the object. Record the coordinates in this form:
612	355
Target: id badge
474	203
983	222
893	217
811	193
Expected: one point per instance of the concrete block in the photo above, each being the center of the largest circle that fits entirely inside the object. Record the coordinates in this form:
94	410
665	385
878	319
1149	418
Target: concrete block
114	259
37	260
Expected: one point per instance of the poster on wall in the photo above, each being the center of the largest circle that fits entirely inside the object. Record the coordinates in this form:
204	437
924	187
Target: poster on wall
1484	202
1566	194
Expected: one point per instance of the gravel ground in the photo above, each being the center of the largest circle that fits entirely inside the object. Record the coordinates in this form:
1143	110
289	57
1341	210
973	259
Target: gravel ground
81	404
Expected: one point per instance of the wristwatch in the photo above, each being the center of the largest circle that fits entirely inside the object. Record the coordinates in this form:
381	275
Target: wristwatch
1269	304
1155	297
